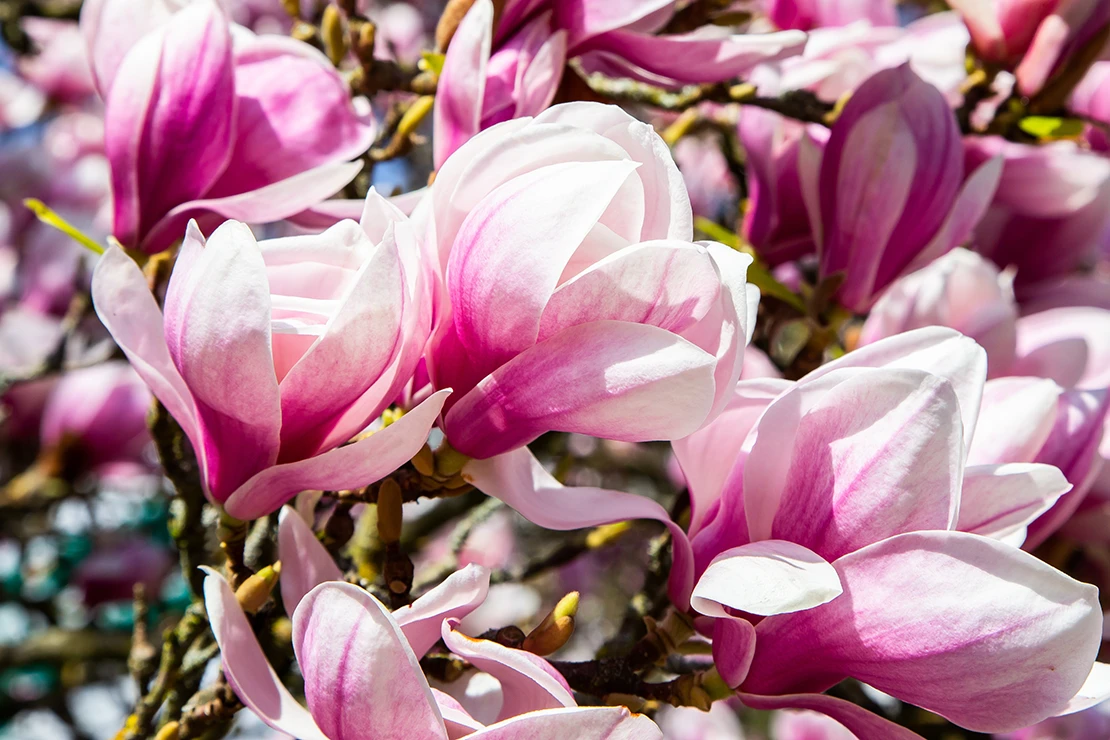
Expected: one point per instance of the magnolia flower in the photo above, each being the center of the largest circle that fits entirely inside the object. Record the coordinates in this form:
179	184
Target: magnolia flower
512	70
203	123
574	299
360	662
96	417
1091	96
829	510
960	290
885	195
1050	211
1037	37
272	355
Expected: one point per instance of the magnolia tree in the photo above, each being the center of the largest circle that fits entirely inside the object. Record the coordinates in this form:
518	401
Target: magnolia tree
547	369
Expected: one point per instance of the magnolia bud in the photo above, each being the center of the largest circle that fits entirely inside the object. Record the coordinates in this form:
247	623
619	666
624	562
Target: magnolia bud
389	511
556	628
256	589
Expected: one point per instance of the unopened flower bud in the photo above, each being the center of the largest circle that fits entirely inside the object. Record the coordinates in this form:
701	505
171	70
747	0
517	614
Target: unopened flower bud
256	589
556	628
331	30
424	461
389	511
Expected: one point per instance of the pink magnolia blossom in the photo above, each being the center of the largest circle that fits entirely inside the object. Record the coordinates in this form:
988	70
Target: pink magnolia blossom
360	662
491	75
962	291
1038	36
98	415
1051	209
622	39
809	14
711	185
271	355
574	299
886	195
205	123
817	504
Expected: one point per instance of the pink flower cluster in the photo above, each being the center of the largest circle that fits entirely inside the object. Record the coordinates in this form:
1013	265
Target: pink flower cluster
913	219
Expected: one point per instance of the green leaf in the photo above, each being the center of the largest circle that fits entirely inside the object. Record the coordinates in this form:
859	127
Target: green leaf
49	217
1051	127
760	277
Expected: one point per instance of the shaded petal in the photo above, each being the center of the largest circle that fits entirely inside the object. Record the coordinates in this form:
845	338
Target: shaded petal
528	682
129	312
264	205
1071	345
972	202
999	500
498	298
351	466
765	578
1095	690
671	285
970	628
246	667
611	379
709	454
457	720
733	648
584	19
461	593
218	332
596	723
361	679
305	562
292	101
359	341
518	479
1015	421
859	721
462	83
877	454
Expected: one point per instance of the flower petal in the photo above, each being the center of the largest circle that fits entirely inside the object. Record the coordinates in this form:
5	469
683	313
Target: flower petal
999	500
169	119
218	332
461	593
528	682
498	295
733	648
596	723
611	379
518	479
361	679
1096	690
246	667
859	721
264	205
351	466
965	626
877	454
765	578
934	349
127	309
305	562
1015	421
462	83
